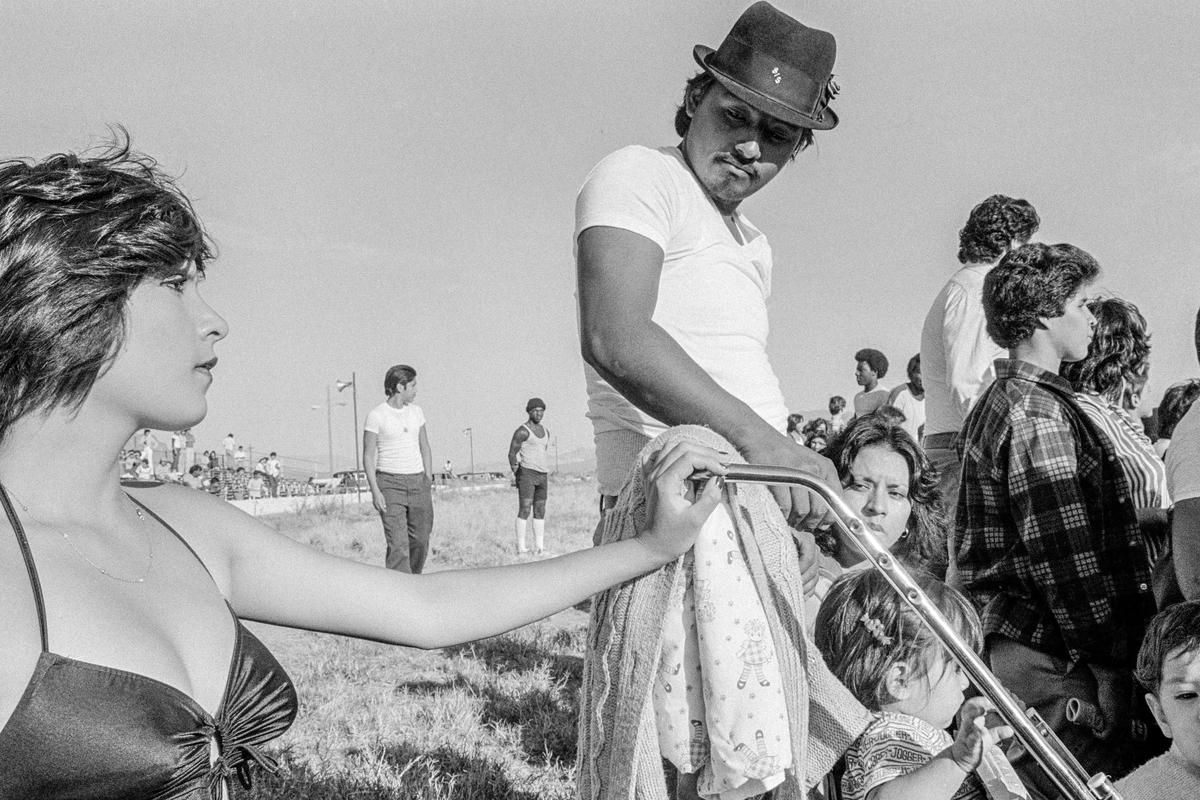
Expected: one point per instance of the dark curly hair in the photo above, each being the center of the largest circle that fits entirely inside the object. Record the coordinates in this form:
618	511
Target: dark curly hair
818	425
1119	351
876	360
993	226
698	86
1032	282
925	545
1175	403
863	628
77	234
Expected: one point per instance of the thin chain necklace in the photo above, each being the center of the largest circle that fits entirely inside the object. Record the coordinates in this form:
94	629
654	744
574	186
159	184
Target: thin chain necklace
141	518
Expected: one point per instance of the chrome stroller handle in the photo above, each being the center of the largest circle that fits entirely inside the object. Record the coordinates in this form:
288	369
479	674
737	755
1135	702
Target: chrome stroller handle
1031	730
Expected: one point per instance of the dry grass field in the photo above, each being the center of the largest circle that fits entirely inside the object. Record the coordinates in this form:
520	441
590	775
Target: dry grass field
491	719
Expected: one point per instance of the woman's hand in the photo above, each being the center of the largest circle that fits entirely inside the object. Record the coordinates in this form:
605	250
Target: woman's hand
974	734
675	511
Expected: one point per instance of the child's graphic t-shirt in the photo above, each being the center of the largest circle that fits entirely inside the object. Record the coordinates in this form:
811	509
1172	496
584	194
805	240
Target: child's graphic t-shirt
895	744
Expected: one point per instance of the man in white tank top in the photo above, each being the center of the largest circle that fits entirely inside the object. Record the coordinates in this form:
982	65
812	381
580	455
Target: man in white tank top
399	469
528	457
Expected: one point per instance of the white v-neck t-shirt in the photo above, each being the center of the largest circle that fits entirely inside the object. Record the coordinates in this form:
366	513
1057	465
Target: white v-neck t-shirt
712	292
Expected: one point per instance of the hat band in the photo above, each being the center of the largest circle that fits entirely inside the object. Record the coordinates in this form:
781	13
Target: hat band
777	80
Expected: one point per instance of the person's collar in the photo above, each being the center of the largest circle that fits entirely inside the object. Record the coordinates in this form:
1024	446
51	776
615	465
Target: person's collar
980	266
1017	368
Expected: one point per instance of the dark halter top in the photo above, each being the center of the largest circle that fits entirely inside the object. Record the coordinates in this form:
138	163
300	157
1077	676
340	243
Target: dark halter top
83	730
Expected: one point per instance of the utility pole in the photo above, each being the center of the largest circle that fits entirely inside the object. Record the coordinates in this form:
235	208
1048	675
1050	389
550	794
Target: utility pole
329	424
353	384
471	436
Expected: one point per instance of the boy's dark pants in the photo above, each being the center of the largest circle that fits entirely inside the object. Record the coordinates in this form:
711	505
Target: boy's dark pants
408	520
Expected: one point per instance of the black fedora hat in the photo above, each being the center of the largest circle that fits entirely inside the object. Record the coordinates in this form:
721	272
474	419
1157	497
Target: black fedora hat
778	65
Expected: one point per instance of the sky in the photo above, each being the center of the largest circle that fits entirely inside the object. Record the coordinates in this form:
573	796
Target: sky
395	182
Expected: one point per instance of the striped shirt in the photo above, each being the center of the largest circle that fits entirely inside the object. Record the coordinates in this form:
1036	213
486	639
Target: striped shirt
1143	469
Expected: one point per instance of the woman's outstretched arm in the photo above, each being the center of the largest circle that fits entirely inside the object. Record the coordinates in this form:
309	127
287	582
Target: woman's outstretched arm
271	578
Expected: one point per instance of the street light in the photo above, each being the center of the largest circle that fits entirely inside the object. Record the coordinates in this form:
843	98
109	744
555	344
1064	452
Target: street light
470	434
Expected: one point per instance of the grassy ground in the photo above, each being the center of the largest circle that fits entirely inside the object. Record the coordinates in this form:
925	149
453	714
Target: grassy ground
492	719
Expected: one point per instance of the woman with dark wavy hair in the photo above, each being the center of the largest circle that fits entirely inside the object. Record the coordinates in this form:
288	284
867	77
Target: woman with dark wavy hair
1116	367
889	481
126	669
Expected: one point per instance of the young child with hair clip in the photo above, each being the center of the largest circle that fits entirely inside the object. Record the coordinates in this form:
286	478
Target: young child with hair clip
886	656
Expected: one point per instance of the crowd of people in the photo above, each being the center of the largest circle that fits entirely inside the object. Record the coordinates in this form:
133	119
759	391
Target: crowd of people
1045	534
735	635
1011	469
227	476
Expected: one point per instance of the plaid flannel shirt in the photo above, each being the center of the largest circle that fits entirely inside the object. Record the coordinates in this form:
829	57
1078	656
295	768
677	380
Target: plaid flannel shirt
1046	534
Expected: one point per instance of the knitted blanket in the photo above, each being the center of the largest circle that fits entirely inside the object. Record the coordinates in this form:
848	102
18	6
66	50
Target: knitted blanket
618	752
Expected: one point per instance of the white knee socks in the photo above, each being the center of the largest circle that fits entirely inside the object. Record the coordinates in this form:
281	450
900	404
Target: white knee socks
539	535
520	528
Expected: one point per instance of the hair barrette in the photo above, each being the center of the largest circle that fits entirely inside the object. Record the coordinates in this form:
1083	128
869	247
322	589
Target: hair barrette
876	629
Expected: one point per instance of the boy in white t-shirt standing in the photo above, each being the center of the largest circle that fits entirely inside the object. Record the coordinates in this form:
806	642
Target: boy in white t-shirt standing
399	469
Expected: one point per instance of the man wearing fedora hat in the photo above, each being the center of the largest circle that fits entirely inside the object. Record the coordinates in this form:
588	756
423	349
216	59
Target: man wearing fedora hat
528	455
673	279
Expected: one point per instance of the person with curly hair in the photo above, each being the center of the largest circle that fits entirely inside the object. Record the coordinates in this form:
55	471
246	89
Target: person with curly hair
870	367
1047	541
816	425
889	481
1119	358
956	351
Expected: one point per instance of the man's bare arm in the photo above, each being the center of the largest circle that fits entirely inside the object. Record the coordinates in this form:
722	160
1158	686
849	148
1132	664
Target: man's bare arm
618	273
519	437
1185	546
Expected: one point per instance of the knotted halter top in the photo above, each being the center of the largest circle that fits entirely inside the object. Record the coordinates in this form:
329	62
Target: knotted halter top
83	730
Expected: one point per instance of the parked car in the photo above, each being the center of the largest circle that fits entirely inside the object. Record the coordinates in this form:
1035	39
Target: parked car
351	481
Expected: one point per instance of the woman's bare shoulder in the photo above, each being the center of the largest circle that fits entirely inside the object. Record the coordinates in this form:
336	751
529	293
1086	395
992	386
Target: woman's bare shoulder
183	506
212	527
20	642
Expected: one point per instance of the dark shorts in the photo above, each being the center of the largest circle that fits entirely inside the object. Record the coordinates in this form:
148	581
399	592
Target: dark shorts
531	485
